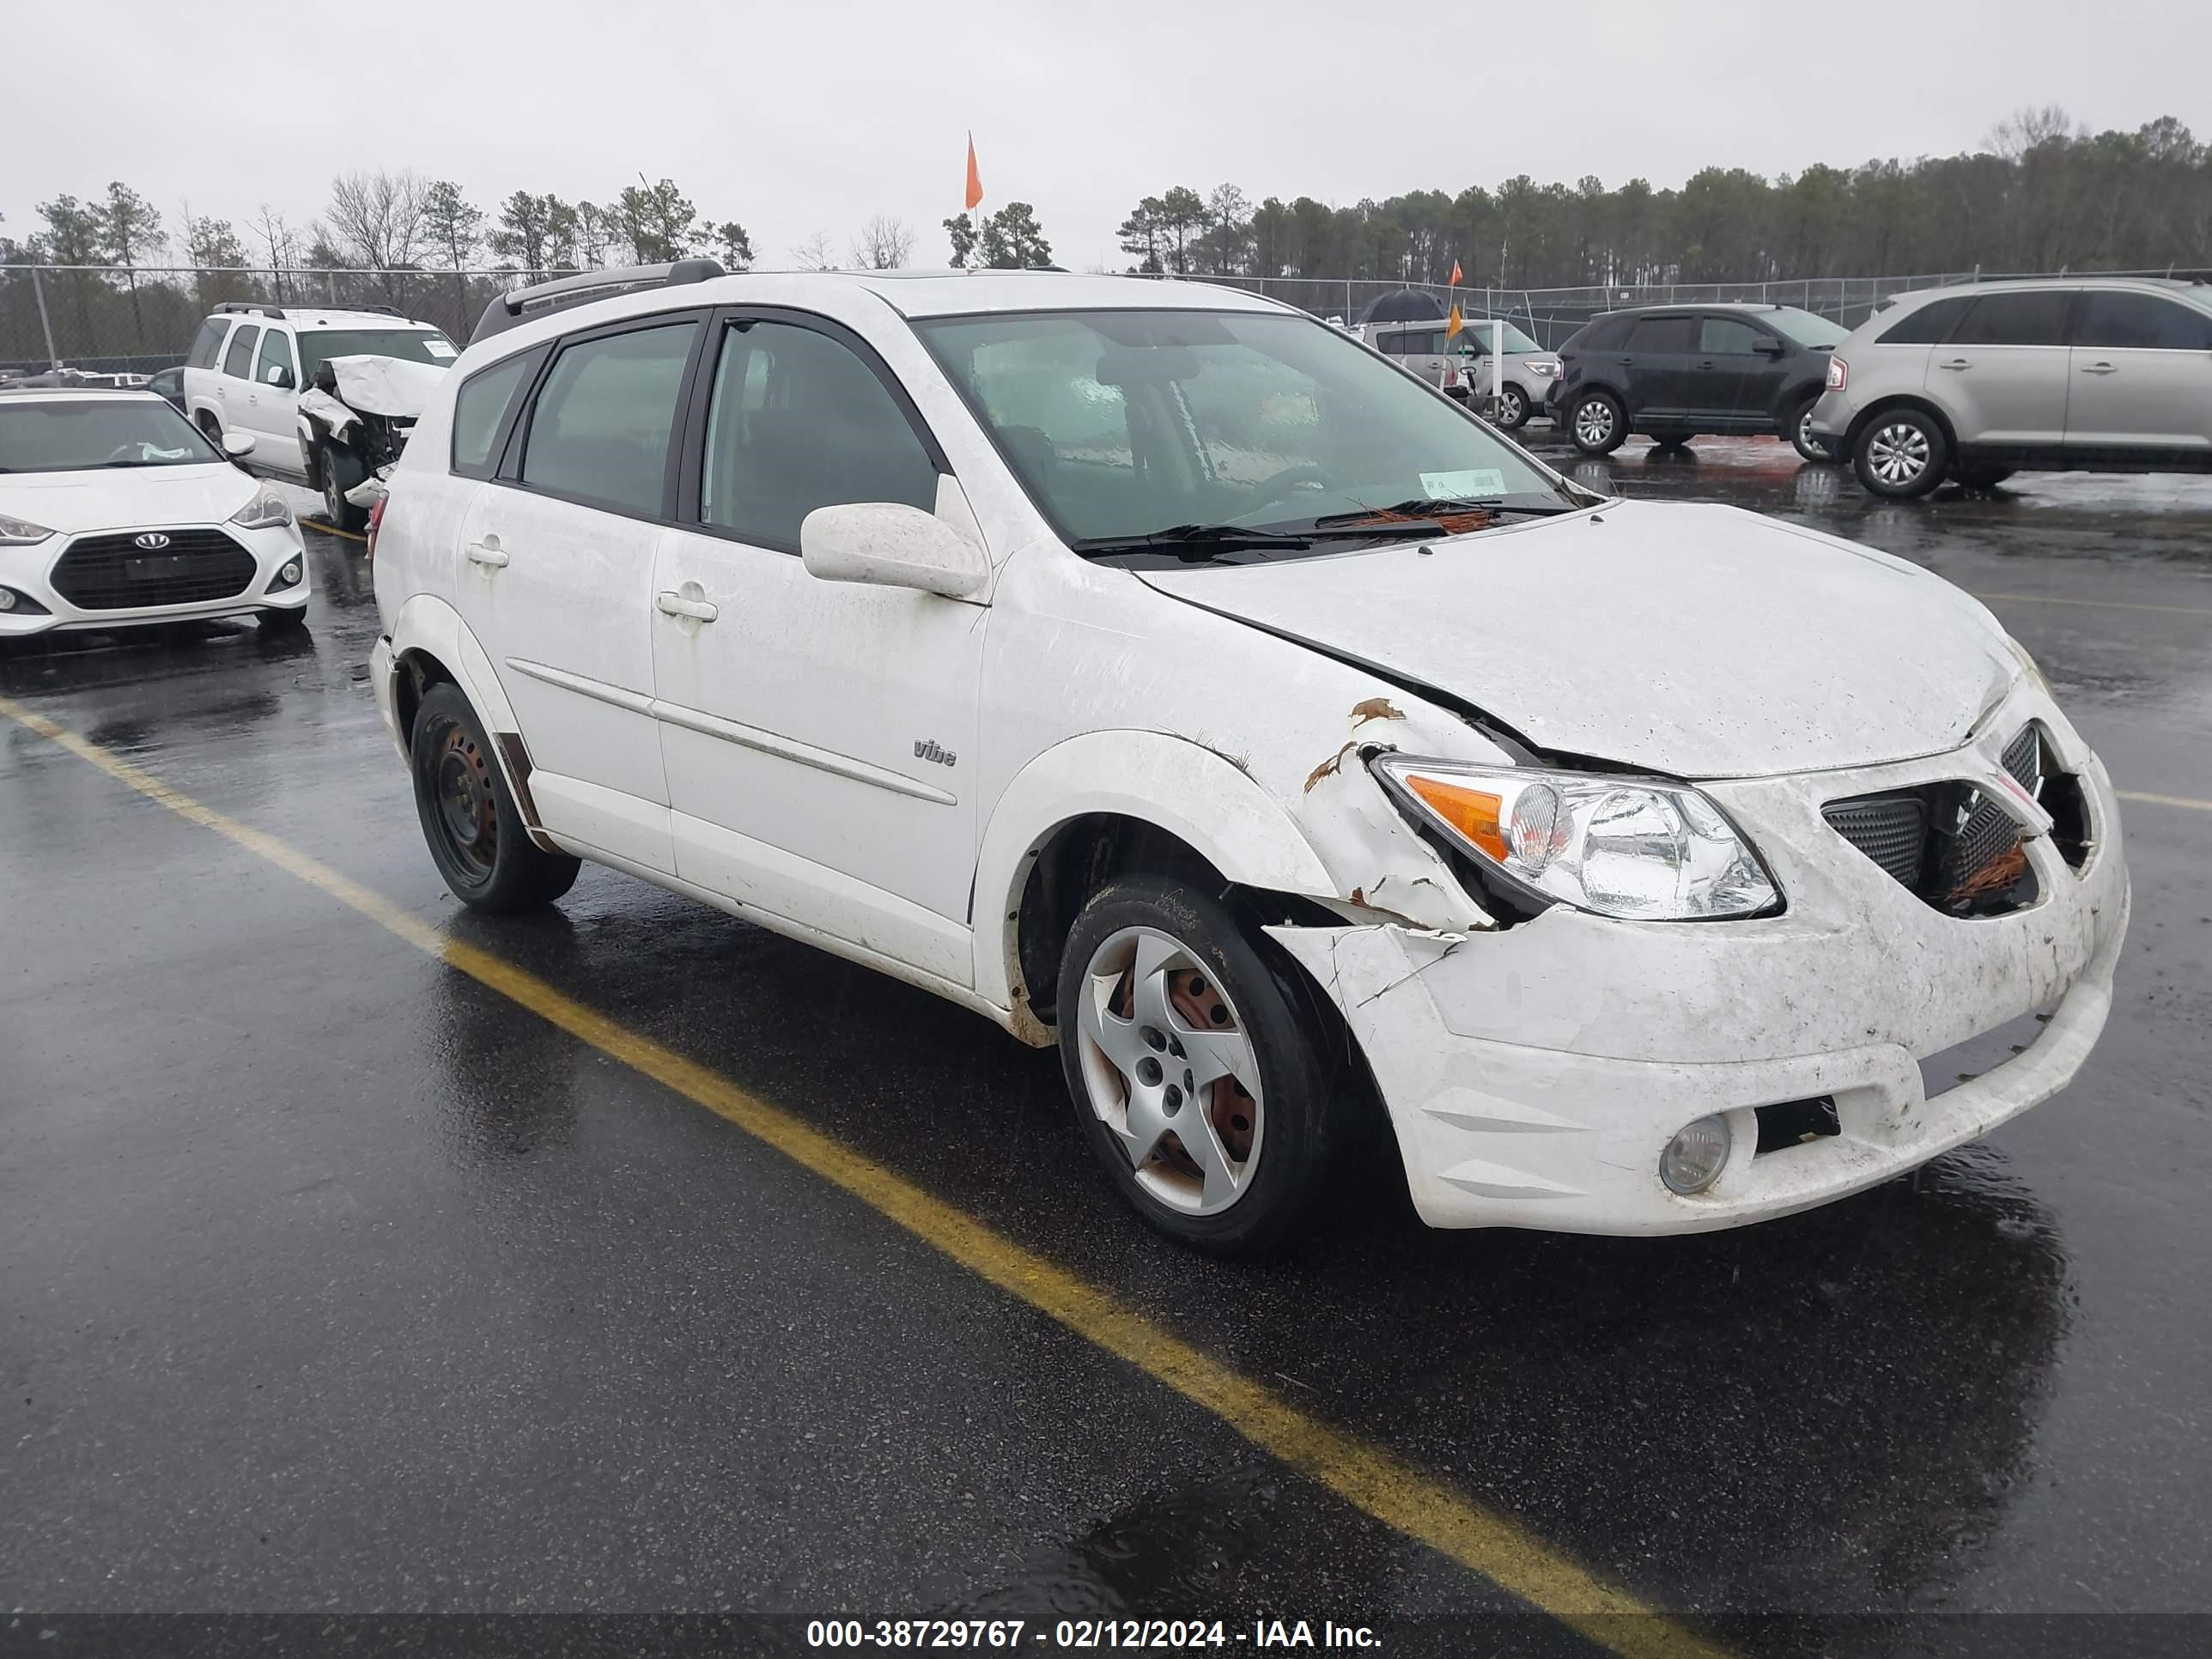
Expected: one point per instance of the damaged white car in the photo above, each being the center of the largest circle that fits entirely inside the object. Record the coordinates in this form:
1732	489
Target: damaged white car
1161	675
360	411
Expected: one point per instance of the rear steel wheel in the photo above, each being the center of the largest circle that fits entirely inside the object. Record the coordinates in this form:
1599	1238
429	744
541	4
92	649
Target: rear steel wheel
476	834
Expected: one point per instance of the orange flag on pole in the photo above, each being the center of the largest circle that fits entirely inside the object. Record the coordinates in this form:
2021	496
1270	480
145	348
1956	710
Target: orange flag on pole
1457	321
1455	276
974	178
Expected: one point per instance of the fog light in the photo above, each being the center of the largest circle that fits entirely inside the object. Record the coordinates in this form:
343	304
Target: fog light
7	598
1694	1158
288	577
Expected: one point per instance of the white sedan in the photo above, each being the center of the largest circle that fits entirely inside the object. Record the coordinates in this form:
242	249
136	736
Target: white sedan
1167	678
115	511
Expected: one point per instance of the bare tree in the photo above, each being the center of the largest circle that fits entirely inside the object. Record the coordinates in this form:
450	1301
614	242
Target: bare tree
375	222
274	233
883	244
815	253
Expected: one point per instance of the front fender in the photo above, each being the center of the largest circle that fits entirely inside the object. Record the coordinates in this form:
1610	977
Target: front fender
1194	793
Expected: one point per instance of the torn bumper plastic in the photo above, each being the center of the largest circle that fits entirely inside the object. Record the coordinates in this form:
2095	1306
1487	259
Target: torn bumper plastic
1534	1074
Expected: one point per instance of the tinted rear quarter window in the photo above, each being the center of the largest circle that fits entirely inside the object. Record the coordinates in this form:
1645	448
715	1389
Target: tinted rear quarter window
601	426
1664	334
207	343
1931	325
2119	320
2036	319
480	410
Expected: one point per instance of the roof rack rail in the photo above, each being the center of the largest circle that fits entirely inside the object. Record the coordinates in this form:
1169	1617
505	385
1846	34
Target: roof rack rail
514	307
251	305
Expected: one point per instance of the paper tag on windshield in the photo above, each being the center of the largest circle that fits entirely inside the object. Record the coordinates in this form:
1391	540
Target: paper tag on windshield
1475	484
440	348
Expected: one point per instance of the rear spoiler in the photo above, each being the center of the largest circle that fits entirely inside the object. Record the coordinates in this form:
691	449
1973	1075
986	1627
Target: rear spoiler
517	306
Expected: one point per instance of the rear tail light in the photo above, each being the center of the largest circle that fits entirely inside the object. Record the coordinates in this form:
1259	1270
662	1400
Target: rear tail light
375	523
1839	373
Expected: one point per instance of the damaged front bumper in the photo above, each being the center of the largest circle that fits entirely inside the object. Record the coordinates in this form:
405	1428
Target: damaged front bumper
1534	1074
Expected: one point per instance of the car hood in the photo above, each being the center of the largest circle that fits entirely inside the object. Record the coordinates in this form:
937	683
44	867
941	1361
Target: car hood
1698	641
127	498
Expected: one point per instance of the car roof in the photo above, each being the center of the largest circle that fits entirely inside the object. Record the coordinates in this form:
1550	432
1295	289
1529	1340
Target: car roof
80	394
322	317
1753	305
932	293
2179	286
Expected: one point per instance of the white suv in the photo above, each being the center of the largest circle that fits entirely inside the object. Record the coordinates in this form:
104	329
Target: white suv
249	364
1161	675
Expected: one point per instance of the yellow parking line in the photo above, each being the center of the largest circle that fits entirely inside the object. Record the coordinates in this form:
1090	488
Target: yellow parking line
2164	800
1494	1545
332	530
2095	605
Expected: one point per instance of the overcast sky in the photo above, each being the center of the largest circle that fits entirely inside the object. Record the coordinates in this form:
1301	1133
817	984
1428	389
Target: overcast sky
814	114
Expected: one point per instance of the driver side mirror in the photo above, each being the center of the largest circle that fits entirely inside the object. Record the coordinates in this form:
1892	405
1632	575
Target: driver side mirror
279	376
890	544
1766	347
237	444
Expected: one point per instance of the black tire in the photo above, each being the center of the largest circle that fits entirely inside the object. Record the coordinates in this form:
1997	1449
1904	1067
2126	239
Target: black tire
1675	440
1513	409
1901	455
1793	427
282	621
476	835
341	470
1597	424
1970	476
1305	1117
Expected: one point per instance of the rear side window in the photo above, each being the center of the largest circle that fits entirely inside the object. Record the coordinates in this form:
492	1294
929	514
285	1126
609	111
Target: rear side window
600	430
798	421
2119	319
239	360
1929	326
480	411
275	354
1664	334
1724	336
2034	319
206	343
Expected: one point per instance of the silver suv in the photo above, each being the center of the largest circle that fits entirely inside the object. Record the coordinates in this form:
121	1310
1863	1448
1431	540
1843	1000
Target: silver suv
1461	365
1976	383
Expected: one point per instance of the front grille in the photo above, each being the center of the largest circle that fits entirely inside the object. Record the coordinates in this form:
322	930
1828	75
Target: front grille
1891	829
1950	843
113	573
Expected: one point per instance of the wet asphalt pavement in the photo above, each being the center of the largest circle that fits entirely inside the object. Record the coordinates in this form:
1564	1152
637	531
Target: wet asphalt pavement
330	1280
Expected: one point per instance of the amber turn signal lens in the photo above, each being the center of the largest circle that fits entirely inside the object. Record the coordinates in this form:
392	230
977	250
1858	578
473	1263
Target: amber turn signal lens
1472	813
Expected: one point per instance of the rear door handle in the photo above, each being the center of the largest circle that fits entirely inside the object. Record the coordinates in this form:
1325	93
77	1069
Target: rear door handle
2099	368
675	605
1955	362
489	553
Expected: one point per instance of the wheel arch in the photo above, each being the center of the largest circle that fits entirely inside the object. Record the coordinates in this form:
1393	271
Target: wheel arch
431	644
1112	800
1918	403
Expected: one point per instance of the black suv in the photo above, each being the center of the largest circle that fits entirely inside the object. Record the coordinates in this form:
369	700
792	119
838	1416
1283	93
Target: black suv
1672	372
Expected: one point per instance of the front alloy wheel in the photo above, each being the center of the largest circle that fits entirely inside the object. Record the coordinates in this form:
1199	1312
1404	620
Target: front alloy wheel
1596	427
1206	1075
1512	408
1168	1068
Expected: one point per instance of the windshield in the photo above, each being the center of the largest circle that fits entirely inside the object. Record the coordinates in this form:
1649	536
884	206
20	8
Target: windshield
1805	328
1515	341
1130	423
68	436
416	345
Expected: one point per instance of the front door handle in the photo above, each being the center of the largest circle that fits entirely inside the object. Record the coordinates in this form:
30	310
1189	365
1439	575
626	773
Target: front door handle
1955	362
1708	363
488	552
675	605
2099	368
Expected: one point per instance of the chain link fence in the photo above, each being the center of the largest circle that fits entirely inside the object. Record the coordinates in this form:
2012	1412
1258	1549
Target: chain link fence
106	319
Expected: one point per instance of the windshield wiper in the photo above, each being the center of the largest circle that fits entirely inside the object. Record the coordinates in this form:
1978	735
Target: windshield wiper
1424	507
1197	543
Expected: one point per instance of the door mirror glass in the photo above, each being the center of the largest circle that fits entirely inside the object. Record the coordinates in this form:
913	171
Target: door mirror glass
237	444
1767	346
279	376
890	544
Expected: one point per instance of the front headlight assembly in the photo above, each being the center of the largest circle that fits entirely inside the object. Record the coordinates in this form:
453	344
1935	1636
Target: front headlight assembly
21	532
1637	848
267	511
